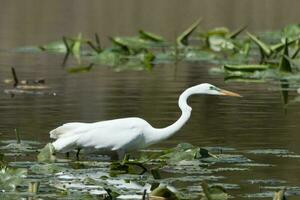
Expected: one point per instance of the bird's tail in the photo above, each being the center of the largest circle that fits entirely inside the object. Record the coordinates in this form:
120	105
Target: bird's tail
65	144
65	129
66	136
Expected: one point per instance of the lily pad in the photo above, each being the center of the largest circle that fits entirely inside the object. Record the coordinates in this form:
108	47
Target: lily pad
10	178
246	68
164	193
182	40
47	154
214	192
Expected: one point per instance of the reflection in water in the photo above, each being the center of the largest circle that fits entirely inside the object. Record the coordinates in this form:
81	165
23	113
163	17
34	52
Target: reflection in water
256	121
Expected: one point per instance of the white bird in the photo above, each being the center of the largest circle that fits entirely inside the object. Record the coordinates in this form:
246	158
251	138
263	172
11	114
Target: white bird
126	134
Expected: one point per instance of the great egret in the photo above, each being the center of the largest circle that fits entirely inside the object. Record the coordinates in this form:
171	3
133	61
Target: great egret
126	134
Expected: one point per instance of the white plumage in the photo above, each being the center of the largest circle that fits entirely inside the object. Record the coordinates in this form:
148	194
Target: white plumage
126	134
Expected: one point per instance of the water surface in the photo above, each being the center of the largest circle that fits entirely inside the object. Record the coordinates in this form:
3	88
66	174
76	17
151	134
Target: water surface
259	120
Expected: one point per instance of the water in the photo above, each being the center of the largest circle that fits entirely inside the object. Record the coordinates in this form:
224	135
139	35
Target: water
259	120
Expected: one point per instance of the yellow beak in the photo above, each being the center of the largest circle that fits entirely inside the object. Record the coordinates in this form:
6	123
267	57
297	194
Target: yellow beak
228	93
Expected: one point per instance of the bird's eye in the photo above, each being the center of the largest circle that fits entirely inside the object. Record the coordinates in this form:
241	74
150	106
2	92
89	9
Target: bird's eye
214	88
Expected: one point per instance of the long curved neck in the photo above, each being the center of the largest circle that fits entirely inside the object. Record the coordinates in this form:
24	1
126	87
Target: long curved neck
158	134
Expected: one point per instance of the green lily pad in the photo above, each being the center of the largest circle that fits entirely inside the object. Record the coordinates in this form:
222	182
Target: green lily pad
214	192
47	154
80	69
218	43
182	39
150	36
264	47
10	178
46	169
246	68
164	193
285	65
291	31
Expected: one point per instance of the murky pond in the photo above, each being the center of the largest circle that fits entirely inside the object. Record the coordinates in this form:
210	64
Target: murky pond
260	126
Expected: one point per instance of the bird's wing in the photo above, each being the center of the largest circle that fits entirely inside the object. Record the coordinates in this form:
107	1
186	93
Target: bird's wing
110	137
126	133
66	128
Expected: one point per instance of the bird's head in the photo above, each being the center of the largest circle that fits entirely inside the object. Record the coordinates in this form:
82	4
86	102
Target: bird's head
206	88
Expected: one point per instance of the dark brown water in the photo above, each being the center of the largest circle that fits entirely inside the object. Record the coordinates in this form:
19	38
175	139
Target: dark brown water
258	120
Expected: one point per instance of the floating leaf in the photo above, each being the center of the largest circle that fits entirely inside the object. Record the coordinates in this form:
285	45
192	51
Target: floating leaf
47	154
291	31
279	46
235	33
285	65
182	40
264	47
280	195
127	167
108	57
183	151
76	47
199	55
218	43
33	187
121	44
80	69
247	68
148	59
150	36
214	192
19	146
269	151
46	169
10	178
132	45
164	193
220	31
97	47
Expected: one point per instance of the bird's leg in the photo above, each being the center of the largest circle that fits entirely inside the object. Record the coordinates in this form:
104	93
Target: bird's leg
77	153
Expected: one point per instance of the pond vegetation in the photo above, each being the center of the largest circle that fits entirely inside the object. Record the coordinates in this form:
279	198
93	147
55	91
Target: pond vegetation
237	55
182	172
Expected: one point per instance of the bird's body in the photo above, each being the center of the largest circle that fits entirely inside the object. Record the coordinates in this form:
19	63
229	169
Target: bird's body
125	134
